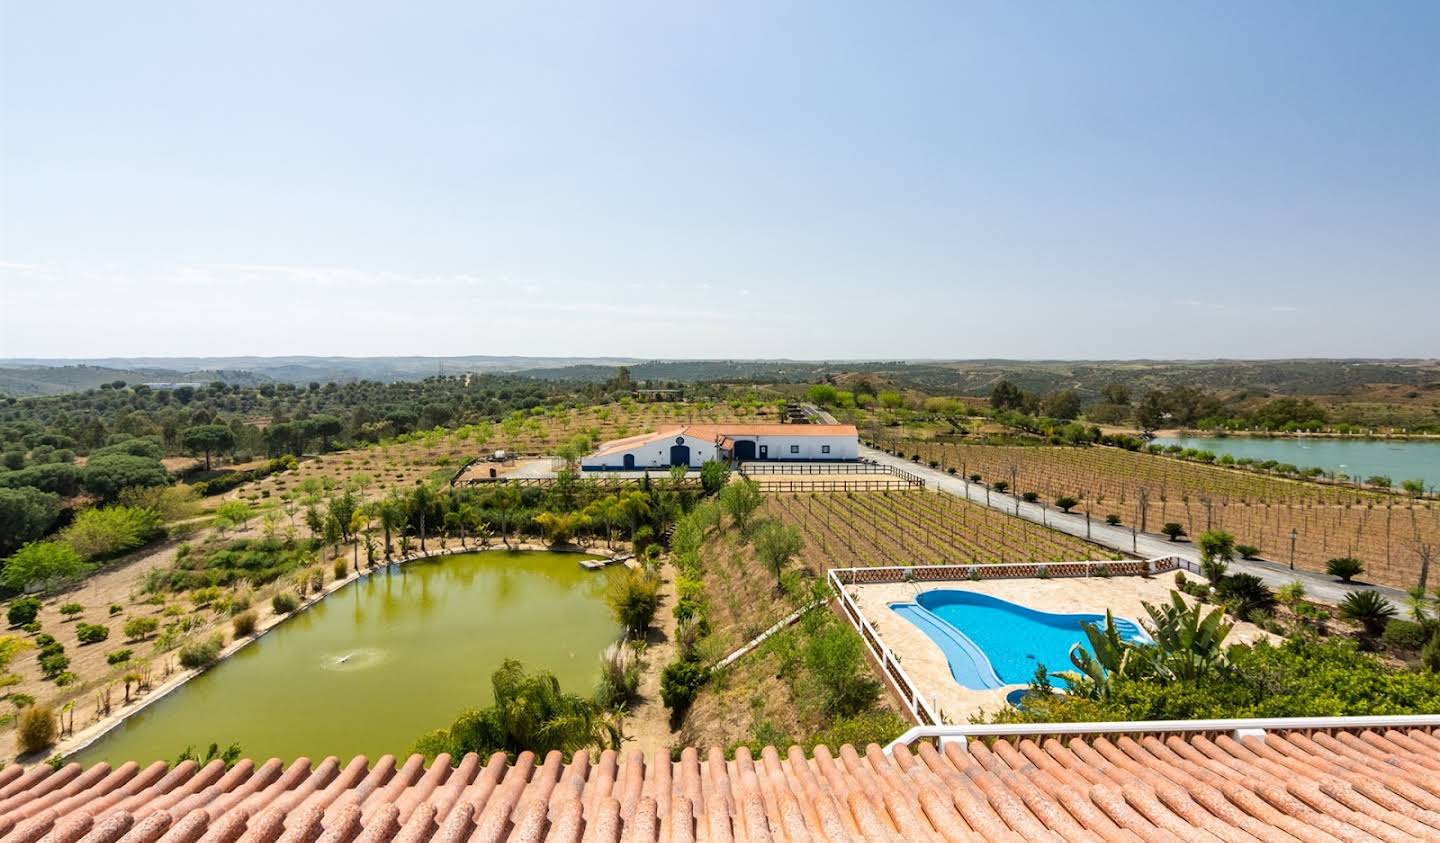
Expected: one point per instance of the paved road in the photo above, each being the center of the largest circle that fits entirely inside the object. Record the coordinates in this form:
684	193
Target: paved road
1149	545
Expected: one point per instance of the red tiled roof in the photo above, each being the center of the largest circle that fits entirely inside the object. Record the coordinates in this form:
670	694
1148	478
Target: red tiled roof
714	432
1284	786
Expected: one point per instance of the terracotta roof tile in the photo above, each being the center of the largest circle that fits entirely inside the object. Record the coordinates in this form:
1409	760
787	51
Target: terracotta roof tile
1278	788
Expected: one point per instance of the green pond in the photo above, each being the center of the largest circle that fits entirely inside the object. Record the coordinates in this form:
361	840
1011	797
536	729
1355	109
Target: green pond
384	660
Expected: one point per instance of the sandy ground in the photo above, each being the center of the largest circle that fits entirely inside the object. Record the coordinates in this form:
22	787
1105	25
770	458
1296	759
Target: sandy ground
647	727
927	666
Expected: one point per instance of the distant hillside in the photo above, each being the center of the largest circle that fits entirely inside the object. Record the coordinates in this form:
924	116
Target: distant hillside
961	377
36	376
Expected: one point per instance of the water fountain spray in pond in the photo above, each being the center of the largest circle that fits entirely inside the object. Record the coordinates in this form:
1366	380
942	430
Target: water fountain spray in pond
363	658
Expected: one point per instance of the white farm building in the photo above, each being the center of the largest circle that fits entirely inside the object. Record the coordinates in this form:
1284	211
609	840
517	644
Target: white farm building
696	444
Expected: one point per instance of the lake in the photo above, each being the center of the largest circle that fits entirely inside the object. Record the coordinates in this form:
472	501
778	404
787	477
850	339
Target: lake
1396	459
383	660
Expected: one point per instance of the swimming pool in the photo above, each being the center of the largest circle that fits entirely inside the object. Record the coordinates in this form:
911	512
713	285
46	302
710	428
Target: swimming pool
991	643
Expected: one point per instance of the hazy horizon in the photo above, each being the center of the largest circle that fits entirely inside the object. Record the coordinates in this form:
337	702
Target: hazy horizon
939	182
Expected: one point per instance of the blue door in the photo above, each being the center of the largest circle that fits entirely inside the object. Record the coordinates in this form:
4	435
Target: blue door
680	455
629	460
744	450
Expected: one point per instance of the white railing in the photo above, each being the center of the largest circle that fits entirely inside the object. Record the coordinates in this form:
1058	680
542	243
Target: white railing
1235	727
1012	570
923	712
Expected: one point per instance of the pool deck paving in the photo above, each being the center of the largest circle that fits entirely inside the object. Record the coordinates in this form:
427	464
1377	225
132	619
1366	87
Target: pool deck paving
928	666
1318	586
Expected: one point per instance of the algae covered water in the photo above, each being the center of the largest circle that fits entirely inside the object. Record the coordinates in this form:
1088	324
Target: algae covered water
373	666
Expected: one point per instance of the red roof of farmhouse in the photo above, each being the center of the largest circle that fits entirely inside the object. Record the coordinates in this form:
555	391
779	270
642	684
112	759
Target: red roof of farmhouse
715	432
1381	784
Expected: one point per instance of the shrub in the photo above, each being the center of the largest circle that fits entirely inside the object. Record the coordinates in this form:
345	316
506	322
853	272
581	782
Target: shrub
139	628
1174	530
115	609
1030	497
1404	635
1245	594
877	727
244	624
680	682
284	603
91	633
836	656
70	610
1112	519
1368	609
37	729
1066	503
621	666
1430	655
1346	568
1000	486
341	569
53	664
118	656
23	610
198	654
633	601
1247	551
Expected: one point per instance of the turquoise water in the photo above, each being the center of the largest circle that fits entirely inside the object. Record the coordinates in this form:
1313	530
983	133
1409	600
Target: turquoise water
991	642
1398	460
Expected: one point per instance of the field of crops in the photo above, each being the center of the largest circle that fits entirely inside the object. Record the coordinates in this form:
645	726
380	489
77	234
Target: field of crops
1386	532
865	529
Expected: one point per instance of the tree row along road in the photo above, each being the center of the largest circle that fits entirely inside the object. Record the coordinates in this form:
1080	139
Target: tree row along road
1317	586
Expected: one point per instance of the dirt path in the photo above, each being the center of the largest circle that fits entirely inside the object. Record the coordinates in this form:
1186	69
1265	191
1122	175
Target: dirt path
648	726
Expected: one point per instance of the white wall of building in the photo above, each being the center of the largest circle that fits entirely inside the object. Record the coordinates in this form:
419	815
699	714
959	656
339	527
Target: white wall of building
656	453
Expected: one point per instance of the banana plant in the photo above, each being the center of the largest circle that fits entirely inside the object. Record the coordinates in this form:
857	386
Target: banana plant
1111	657
1188	642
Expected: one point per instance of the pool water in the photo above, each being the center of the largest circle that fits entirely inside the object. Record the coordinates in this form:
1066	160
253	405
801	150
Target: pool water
991	643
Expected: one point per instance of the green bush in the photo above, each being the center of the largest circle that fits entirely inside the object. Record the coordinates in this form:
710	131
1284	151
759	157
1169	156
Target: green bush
284	603
1430	655
1346	568
244	624
1066	503
1247	551
139	628
340	568
861	730
103	532
1404	635
1368	609
1245	594
118	656
680	682
53	664
1030	497
23	610
1112	519
198	654
836	656
70	610
1174	530
91	633
115	609
633	601
37	729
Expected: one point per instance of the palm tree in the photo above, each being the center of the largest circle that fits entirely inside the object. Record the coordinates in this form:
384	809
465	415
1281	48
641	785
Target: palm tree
503	500
393	512
1368	609
420	502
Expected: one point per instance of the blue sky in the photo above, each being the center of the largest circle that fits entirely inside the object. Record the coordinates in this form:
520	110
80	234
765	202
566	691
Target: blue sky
826	180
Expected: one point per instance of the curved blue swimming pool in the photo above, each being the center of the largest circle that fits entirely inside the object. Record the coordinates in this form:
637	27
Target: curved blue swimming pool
991	642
